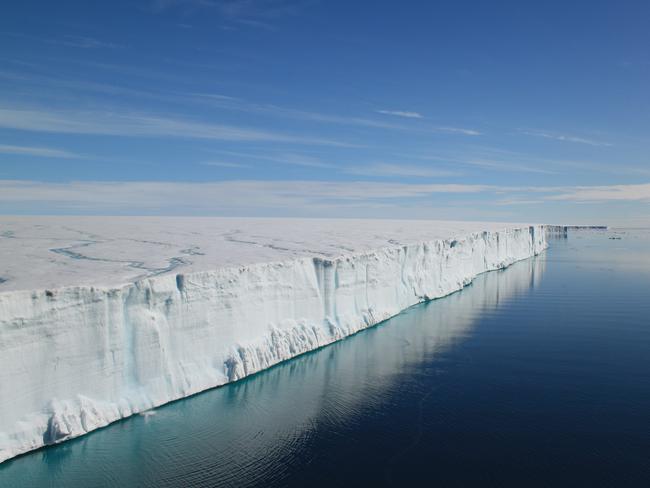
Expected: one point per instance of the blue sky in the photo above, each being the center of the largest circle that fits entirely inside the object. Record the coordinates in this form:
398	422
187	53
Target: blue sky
514	111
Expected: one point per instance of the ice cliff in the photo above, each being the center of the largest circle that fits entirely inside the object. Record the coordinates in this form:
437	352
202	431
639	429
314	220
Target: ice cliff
76	358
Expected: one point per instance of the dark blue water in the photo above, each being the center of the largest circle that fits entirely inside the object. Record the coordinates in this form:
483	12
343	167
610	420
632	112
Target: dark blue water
538	375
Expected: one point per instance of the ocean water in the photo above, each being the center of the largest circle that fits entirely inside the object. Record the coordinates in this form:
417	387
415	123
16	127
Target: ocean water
537	375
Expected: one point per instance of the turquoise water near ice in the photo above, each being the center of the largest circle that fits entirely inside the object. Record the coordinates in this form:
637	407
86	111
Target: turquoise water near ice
537	375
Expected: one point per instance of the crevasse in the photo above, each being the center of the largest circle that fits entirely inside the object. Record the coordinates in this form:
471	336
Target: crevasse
78	358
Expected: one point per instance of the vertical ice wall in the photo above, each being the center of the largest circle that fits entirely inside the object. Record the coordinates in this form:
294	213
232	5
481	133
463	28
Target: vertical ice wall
77	358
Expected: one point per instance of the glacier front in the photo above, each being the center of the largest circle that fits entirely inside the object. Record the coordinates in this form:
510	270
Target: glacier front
104	317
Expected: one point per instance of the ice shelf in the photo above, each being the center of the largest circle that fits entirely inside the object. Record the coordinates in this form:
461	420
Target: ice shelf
104	317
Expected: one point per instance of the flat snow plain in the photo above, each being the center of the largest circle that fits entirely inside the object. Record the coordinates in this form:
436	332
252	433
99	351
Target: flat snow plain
51	252
105	317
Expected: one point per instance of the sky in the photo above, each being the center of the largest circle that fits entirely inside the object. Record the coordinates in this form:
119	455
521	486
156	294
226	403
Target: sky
458	110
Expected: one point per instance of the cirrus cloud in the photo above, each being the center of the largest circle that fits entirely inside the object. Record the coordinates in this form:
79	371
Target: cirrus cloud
401	113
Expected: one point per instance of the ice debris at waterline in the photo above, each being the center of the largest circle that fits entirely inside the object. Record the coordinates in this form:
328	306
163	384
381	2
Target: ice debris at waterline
102	318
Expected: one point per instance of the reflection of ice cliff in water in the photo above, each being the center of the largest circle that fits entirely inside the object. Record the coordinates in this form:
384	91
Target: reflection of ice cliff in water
349	376
98	354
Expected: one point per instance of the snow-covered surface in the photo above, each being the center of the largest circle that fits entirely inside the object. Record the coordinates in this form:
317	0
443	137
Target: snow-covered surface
101	318
43	253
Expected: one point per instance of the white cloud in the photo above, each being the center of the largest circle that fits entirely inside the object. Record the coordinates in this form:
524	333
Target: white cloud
231	103
254	13
459	130
44	152
299	160
401	113
135	124
224	164
605	193
282	197
404	170
564	137
215	96
504	161
83	42
293	159
134	196
222	101
512	161
507	166
508	202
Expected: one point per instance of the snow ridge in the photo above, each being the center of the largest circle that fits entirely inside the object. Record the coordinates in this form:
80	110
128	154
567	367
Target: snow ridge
75	359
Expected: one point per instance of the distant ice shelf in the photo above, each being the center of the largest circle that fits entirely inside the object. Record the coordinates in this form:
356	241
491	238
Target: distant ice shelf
102	318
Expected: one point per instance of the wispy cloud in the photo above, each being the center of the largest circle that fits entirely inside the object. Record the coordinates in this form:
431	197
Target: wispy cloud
224	164
508	202
232	103
608	193
508	166
215	96
399	170
564	137
144	125
255	23
83	42
44	152
220	100
302	160
499	159
401	113
50	83
492	159
611	168
252	13
293	159
459	130
214	196
237	104
223	196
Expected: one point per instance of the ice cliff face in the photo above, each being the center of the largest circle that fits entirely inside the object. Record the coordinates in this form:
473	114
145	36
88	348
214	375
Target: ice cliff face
75	359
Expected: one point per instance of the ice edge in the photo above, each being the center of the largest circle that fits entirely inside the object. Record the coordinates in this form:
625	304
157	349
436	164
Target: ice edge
75	359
